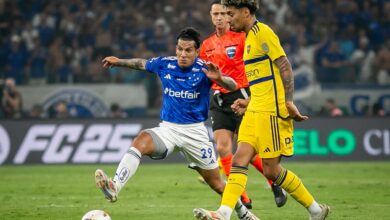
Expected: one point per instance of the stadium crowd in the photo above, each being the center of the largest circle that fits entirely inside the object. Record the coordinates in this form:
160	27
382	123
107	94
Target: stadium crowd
49	42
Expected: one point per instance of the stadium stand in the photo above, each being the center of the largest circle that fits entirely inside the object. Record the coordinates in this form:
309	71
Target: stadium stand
62	42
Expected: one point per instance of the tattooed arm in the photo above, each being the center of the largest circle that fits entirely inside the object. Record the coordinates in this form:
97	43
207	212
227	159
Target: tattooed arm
287	76
286	73
136	63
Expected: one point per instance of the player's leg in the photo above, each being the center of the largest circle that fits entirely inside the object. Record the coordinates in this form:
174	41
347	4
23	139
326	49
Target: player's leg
224	140
282	145
142	144
290	182
280	195
200	153
146	143
214	180
224	125
238	176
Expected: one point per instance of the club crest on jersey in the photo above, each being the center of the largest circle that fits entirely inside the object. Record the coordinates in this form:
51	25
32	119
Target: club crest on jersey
265	47
248	48
170	66
231	52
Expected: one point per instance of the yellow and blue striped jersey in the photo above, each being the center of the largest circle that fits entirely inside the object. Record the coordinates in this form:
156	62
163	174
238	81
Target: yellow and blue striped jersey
262	47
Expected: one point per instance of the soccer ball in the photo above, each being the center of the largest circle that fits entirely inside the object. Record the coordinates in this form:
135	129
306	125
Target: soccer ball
96	215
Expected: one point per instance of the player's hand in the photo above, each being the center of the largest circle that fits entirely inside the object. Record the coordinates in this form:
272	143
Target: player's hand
212	72
239	106
294	112
110	61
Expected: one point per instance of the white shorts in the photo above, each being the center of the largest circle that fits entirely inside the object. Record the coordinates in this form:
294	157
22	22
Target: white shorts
192	140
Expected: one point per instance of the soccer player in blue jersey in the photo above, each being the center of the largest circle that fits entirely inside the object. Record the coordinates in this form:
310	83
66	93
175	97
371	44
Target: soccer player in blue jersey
186	82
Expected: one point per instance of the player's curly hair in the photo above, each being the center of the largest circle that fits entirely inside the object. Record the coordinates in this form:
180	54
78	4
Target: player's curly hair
252	5
190	33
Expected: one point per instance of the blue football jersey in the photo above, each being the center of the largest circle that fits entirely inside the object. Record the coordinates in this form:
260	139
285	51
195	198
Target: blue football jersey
185	91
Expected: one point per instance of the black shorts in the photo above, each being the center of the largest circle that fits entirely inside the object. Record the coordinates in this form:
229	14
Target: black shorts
222	116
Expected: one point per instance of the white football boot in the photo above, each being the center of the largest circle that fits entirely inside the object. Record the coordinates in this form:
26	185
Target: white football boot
106	185
203	214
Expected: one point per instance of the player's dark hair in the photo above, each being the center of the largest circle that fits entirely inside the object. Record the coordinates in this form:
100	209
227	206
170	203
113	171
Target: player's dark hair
215	2
189	33
252	5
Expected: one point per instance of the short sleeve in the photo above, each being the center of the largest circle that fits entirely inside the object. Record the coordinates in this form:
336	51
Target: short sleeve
271	40
153	64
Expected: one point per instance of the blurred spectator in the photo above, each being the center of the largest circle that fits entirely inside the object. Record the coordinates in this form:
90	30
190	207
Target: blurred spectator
57	66
37	64
59	110
17	60
63	42
382	62
362	60
36	112
12	100
117	112
378	110
331	109
78	33
334	65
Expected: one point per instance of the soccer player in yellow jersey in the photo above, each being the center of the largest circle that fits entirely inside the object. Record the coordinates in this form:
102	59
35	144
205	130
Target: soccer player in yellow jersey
267	126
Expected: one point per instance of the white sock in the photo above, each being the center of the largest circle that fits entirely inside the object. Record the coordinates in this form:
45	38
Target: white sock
127	167
241	210
314	208
226	211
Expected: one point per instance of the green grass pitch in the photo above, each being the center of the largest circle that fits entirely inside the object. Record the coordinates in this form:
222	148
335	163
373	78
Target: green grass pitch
170	191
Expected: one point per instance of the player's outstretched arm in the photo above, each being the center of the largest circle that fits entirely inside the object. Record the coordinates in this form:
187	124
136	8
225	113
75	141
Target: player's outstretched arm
215	74
136	63
286	73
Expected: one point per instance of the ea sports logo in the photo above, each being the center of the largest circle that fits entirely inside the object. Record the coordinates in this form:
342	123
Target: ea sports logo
4	144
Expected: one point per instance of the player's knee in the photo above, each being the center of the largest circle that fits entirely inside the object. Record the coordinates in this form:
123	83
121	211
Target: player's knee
224	150
224	144
270	172
143	142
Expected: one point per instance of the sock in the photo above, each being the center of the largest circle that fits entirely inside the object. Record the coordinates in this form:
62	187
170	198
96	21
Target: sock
294	186
314	208
240	209
226	163
225	211
245	198
127	167
235	186
258	164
